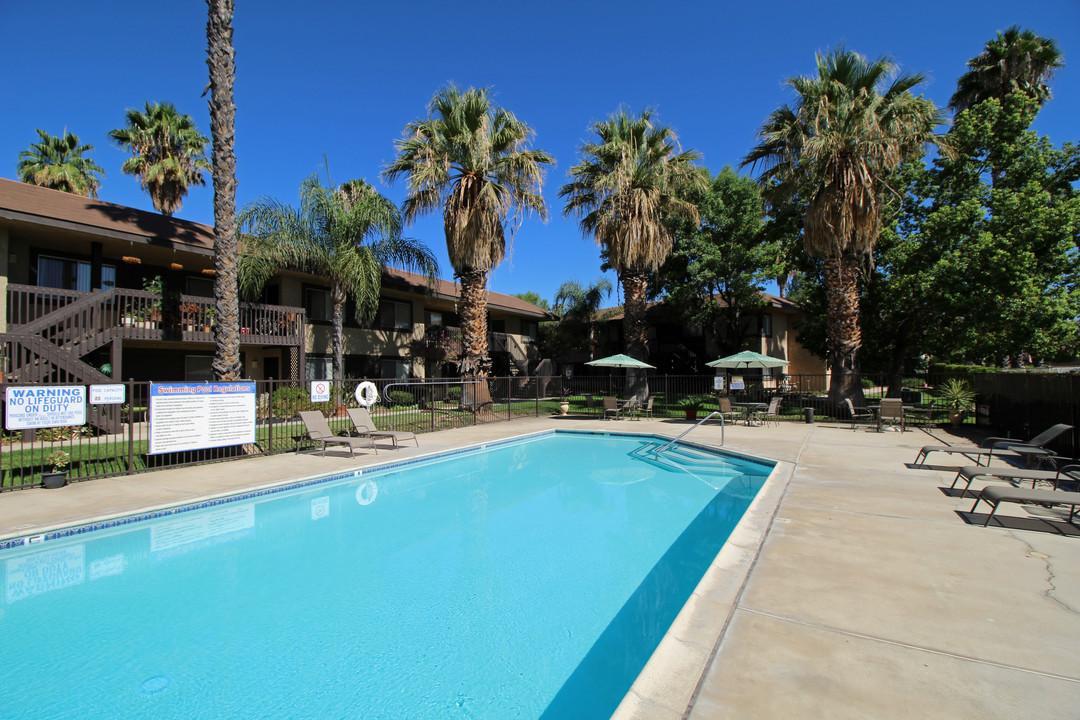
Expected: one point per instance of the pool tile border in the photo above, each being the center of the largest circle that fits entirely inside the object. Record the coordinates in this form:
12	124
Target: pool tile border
111	523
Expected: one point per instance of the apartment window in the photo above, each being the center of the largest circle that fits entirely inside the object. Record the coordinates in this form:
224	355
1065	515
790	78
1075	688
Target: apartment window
317	304
393	368
67	274
200	287
529	329
197	368
765	325
434	318
395	315
319	367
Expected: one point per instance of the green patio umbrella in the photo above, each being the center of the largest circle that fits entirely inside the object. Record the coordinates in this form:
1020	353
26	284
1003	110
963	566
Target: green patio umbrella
623	361
747	359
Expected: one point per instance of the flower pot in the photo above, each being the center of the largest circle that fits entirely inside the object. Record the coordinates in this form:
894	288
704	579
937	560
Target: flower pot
691	413
53	480
956	417
564	407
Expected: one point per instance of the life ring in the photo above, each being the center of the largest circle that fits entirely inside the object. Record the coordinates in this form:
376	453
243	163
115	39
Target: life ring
367	394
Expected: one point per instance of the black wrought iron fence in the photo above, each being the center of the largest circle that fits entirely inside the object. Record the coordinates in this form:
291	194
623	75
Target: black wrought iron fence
1012	404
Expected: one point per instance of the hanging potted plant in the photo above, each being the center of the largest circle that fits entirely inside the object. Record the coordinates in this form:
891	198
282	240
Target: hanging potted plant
59	460
957	396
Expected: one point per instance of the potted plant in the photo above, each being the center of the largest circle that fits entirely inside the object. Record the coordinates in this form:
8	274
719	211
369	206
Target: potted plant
957	396
59	460
692	403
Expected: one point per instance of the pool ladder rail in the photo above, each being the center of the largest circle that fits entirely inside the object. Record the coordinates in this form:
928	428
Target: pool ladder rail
694	427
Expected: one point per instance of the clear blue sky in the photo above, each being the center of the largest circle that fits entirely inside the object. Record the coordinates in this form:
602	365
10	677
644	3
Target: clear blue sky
342	80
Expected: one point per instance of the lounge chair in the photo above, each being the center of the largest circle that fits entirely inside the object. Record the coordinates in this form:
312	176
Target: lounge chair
1068	473
997	494
891	412
857	414
365	427
611	407
319	431
1033	448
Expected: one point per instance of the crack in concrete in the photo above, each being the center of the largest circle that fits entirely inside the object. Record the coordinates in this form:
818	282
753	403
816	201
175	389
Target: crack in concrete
1051	591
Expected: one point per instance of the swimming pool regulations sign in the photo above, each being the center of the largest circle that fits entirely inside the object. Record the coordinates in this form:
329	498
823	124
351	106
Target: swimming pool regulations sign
196	416
44	406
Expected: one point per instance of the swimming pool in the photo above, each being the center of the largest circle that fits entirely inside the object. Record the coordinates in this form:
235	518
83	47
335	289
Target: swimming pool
527	579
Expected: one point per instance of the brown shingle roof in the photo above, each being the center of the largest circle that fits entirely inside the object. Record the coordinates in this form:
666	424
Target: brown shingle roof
42	206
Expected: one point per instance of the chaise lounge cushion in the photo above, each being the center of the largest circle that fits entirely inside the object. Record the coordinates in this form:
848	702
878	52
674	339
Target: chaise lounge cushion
998	494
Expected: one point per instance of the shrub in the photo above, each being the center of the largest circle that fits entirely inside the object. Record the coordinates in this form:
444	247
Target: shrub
287	401
401	397
694	402
453	394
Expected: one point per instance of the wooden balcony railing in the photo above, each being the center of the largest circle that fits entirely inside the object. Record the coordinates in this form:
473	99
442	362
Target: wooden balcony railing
69	318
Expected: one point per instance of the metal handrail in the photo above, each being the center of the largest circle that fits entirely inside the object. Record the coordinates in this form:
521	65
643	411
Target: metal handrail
700	422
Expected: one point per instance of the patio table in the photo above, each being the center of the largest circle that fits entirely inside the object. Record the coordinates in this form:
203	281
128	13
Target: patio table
749	408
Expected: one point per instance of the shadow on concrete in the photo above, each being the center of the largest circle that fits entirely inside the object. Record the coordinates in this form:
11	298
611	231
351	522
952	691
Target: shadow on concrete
1052	526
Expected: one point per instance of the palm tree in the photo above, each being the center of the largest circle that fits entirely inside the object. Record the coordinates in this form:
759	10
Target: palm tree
848	129
58	163
1014	60
221	60
470	157
578	305
629	182
168	153
347	236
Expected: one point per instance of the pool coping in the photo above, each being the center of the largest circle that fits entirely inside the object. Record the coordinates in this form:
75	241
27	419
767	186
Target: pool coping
671	679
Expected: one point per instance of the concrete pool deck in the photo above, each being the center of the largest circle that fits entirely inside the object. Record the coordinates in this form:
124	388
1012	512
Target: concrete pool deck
853	588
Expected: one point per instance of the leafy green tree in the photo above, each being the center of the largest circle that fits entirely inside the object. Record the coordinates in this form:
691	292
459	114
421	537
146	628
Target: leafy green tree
848	129
58	163
577	306
631	181
221	60
168	153
470	158
714	275
1014	60
1008	250
347	236
534	298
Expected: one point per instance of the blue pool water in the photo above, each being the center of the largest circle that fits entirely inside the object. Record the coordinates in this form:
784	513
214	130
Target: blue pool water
532	579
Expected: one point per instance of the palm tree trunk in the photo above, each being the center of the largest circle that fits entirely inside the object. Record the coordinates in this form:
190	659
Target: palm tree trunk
221	59
634	327
474	329
842	327
337	317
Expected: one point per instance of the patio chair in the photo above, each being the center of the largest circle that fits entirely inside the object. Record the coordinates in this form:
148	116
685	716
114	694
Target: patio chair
319	431
771	413
923	414
631	408
646	410
891	412
730	414
365	427
1033	448
1065	474
611	407
858	413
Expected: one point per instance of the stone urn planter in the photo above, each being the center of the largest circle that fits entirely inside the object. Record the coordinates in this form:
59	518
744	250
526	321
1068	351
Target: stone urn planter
564	407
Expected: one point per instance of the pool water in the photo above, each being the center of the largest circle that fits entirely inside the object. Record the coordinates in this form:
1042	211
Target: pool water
532	579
